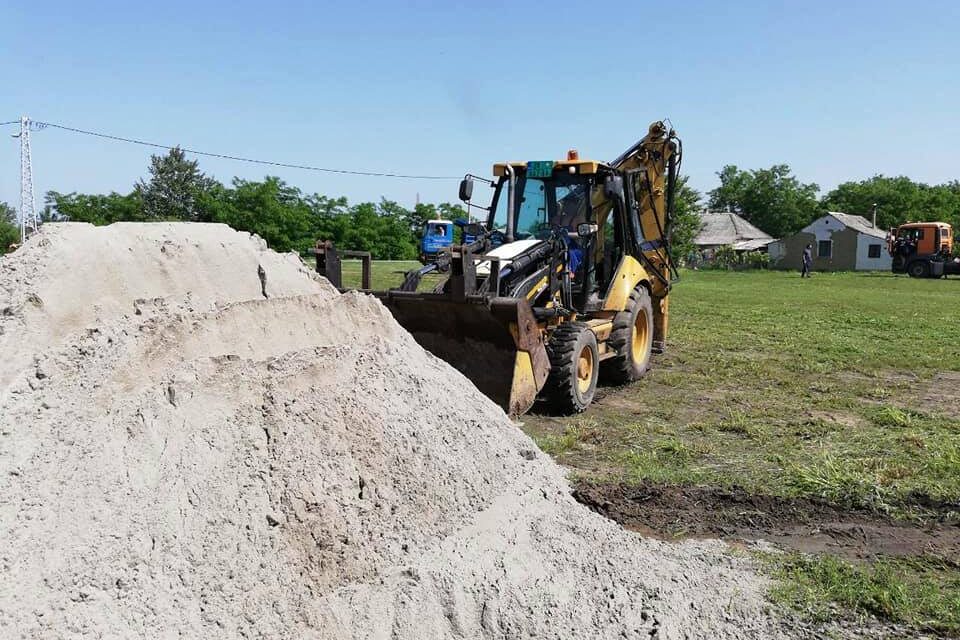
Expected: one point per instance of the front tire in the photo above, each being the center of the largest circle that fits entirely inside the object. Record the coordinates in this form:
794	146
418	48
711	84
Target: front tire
918	269
574	365
631	339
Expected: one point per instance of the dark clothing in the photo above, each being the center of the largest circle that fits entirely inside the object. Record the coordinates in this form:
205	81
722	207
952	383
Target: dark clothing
807	263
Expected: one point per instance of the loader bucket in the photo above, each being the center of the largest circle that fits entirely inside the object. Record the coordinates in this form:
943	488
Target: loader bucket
496	343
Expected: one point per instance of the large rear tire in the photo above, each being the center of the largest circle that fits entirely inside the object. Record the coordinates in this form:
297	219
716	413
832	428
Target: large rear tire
918	269
574	365
631	339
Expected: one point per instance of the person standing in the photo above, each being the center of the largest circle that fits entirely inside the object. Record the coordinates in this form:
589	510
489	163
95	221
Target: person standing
807	261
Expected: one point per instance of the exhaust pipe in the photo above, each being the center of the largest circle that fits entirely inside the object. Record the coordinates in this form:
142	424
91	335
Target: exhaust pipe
511	195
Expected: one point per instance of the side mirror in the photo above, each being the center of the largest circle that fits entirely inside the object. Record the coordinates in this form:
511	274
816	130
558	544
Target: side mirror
466	189
613	187
585	229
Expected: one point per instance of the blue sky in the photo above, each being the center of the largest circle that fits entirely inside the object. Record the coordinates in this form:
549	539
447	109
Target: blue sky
838	90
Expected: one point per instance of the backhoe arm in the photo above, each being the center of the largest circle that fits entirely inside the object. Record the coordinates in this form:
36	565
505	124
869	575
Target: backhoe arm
650	167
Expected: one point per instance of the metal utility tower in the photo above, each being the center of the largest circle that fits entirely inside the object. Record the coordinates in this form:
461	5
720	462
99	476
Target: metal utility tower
28	207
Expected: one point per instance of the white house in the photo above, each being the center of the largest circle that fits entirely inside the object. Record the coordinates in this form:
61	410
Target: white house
841	242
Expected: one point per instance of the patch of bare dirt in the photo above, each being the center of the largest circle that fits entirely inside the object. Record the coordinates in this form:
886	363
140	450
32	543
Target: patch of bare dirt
806	525
837	418
942	394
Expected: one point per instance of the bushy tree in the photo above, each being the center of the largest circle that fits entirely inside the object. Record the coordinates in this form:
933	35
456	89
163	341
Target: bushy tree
724	257
273	210
175	186
9	230
95	209
686	220
772	199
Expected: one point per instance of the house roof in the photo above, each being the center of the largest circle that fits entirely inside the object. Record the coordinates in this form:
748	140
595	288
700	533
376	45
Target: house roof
858	223
751	245
729	228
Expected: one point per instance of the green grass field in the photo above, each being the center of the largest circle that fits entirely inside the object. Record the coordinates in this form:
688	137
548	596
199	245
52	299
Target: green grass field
384	274
842	387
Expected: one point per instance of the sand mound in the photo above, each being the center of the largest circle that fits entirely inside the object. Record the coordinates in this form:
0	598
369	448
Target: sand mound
75	275
211	460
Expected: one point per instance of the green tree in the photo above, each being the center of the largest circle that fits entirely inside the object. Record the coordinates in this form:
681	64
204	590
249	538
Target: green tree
330	217
898	199
95	209
686	220
398	241
772	199
382	229
273	210
9	230
175	186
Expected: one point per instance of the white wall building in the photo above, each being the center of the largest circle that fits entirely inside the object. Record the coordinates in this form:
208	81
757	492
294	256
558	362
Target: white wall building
841	242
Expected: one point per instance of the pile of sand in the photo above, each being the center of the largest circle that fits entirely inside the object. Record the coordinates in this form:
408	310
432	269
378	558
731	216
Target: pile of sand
199	438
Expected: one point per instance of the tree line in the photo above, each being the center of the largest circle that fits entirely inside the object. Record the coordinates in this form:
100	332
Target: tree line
772	199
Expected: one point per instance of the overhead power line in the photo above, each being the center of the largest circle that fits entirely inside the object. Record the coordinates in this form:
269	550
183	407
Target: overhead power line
223	156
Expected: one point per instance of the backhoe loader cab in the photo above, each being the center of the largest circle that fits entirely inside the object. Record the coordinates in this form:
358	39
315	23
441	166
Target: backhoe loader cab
554	201
568	276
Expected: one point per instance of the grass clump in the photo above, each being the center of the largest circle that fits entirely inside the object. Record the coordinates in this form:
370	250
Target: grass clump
574	434
888	416
921	592
737	422
836	480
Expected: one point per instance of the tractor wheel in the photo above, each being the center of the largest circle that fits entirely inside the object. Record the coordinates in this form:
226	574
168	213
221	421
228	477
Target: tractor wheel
632	339
918	269
574	365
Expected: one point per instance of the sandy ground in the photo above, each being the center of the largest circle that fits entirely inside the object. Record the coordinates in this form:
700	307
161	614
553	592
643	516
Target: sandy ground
198	437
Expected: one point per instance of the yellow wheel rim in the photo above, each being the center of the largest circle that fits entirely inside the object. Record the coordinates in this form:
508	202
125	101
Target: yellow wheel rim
640	343
584	369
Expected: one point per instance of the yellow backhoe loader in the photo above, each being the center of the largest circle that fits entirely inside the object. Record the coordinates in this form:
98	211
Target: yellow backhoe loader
566	279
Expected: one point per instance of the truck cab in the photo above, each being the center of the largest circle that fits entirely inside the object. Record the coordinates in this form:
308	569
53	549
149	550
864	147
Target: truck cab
437	236
923	249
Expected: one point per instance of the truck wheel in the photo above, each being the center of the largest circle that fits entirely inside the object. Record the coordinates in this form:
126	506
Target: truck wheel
918	269
631	339
574	360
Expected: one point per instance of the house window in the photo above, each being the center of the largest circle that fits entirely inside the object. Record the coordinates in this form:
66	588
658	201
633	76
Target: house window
873	251
825	249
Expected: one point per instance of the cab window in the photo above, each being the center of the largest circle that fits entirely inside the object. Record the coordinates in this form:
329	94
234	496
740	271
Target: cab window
531	207
912	234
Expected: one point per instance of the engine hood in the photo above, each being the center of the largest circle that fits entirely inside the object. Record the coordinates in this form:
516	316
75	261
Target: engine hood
505	252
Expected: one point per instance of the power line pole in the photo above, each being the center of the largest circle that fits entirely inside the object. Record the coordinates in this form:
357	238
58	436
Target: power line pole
28	207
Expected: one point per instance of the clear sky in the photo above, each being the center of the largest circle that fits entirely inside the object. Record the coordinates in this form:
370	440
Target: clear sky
838	90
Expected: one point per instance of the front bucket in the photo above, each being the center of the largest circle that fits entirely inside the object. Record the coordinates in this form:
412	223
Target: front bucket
496	344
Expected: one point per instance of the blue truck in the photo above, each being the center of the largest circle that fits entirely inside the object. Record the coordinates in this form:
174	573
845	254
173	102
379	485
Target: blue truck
437	236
